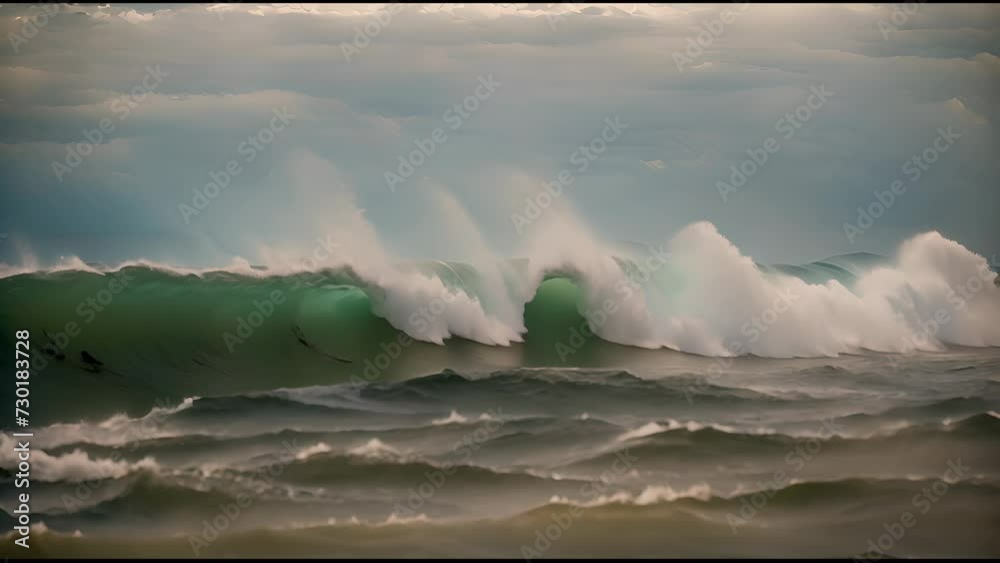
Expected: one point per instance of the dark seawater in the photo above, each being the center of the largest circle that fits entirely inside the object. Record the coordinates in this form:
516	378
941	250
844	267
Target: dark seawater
319	435
474	464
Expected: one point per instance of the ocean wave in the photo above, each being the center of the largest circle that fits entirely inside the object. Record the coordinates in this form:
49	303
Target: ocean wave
794	495
116	430
72	467
452	418
691	442
653	428
315	449
652	494
705	297
376	449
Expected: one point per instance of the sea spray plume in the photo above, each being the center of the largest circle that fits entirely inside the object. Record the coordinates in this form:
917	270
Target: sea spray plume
726	294
561	245
397	294
942	274
494	274
28	262
723	298
325	203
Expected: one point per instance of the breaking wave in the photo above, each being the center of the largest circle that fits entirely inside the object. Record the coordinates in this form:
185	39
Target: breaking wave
697	294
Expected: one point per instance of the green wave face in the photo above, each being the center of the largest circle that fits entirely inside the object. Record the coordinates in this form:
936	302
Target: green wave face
150	333
157	334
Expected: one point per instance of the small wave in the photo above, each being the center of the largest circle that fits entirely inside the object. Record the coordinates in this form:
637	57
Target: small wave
295	525
643	431
116	430
315	449
375	449
39	528
488	417
72	467
653	428
394	518
798	492
397	519
453	418
652	494
157	412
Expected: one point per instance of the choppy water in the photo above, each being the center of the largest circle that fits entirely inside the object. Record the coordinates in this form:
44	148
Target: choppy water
475	464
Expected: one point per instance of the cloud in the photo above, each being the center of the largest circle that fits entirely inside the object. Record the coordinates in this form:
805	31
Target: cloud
564	66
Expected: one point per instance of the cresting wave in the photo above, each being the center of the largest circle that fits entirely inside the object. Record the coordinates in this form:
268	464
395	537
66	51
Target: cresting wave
697	294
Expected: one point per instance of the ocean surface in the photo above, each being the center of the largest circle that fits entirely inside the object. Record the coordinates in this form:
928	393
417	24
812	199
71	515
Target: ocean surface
671	401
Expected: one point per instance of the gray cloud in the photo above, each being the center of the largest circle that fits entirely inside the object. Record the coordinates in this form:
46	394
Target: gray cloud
227	72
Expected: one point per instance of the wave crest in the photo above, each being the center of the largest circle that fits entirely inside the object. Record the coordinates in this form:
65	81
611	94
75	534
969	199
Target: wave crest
698	293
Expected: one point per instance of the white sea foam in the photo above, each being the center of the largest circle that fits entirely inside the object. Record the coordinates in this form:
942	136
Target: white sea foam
453	418
116	430
73	467
374	448
315	449
651	494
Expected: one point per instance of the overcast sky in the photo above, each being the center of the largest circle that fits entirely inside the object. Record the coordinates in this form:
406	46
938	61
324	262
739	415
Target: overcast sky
558	71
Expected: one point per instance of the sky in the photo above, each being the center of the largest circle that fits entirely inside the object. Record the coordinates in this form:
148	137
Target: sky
313	107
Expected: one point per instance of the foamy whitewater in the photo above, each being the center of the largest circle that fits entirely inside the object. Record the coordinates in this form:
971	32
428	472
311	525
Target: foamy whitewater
582	399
